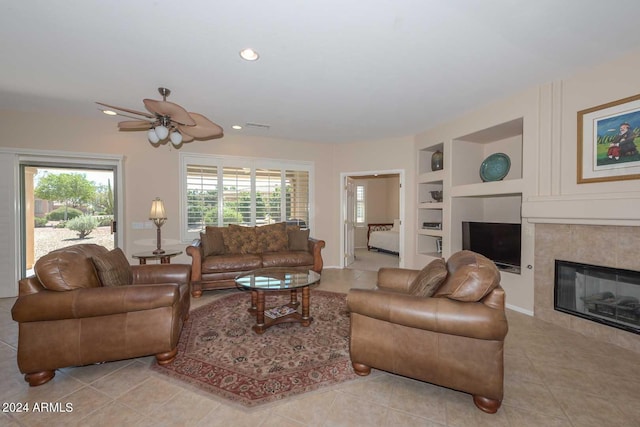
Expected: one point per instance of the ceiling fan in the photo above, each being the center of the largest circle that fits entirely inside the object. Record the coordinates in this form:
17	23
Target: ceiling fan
166	120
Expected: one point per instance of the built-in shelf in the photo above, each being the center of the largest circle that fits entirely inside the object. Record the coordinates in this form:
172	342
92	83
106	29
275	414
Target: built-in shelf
513	186
430	232
431	177
424	158
465	196
431	205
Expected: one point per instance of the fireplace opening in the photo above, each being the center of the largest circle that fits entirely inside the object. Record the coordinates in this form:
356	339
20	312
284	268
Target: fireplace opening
602	294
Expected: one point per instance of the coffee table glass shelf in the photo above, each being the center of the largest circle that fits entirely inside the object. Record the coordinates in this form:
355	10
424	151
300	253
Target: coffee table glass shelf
273	280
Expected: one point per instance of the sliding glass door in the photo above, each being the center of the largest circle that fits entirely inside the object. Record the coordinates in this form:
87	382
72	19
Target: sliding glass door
63	205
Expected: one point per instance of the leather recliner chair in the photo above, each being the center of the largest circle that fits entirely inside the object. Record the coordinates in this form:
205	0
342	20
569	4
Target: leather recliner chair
452	335
68	318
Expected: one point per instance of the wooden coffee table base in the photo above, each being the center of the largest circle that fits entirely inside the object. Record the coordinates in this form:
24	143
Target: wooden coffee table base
263	322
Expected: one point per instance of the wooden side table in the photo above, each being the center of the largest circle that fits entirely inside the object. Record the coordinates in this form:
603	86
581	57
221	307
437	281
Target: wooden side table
165	258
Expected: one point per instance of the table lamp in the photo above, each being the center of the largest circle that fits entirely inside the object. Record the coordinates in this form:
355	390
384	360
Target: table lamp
158	216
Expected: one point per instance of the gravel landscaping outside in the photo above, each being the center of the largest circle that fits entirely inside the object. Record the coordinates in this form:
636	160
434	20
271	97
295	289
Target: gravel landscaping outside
50	238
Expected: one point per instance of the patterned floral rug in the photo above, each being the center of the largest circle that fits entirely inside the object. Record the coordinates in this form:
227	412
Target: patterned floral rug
219	352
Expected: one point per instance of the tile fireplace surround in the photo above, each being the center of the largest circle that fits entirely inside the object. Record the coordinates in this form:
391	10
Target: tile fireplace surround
609	246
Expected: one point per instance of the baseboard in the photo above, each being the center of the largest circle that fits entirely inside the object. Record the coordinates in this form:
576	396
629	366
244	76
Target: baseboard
520	310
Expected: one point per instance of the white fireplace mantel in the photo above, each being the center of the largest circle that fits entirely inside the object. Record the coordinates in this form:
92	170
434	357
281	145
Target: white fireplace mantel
600	209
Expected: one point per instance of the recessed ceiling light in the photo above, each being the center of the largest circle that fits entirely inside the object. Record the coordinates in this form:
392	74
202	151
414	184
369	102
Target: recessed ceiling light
249	54
236	127
109	112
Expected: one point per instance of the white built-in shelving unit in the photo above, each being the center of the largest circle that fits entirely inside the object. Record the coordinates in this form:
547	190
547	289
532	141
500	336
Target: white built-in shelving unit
465	196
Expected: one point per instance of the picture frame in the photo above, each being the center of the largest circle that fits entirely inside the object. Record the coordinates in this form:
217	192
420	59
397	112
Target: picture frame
609	141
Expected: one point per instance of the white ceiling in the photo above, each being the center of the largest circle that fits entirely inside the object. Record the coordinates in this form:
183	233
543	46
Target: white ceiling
330	70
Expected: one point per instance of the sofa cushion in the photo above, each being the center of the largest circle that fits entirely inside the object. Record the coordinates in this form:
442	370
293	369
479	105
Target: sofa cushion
240	240
230	262
471	277
212	241
113	268
69	268
272	237
298	239
429	279
287	259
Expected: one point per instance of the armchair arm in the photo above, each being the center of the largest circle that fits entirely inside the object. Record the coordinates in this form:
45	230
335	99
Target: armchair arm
93	302
195	252
161	273
315	247
396	279
442	315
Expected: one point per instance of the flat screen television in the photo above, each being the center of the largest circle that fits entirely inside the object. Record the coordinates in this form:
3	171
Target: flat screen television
500	242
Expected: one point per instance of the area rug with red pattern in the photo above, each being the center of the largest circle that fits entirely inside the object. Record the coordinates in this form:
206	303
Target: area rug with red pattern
219	352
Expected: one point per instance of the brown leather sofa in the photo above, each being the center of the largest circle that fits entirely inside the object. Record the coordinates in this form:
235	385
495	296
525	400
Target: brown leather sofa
222	253
84	306
445	325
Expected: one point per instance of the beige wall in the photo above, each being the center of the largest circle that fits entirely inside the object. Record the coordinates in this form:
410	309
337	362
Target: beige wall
391	154
151	172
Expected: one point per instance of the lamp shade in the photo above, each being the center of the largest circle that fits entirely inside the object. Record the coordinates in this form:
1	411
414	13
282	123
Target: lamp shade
176	138
157	209
153	138
162	132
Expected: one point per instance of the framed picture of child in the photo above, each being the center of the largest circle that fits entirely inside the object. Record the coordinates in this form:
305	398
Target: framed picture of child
609	141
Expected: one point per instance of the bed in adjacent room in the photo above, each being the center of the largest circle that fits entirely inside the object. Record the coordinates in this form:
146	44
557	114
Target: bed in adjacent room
384	237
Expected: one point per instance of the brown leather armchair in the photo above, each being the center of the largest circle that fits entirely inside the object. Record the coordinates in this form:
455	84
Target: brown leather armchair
452	335
68	318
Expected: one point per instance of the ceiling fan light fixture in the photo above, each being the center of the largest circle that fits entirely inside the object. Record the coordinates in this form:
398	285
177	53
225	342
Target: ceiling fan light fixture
162	132
153	138
249	54
165	121
176	138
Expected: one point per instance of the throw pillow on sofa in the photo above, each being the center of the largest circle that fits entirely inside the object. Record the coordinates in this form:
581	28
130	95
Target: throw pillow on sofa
298	239
272	237
113	268
239	239
212	241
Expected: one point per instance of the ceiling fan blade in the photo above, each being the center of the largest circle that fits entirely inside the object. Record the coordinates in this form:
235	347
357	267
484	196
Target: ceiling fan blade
139	113
134	125
203	129
185	137
165	108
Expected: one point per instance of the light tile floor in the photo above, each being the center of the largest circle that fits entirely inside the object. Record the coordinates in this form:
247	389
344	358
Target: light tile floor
553	377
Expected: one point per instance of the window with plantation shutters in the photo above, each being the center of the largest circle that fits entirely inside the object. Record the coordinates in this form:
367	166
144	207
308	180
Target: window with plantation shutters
223	190
360	205
297	197
201	197
236	196
268	196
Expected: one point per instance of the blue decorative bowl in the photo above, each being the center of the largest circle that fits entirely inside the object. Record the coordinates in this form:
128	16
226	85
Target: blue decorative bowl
495	167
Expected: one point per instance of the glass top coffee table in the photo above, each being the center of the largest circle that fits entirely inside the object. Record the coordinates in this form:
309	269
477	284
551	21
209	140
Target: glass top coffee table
278	279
